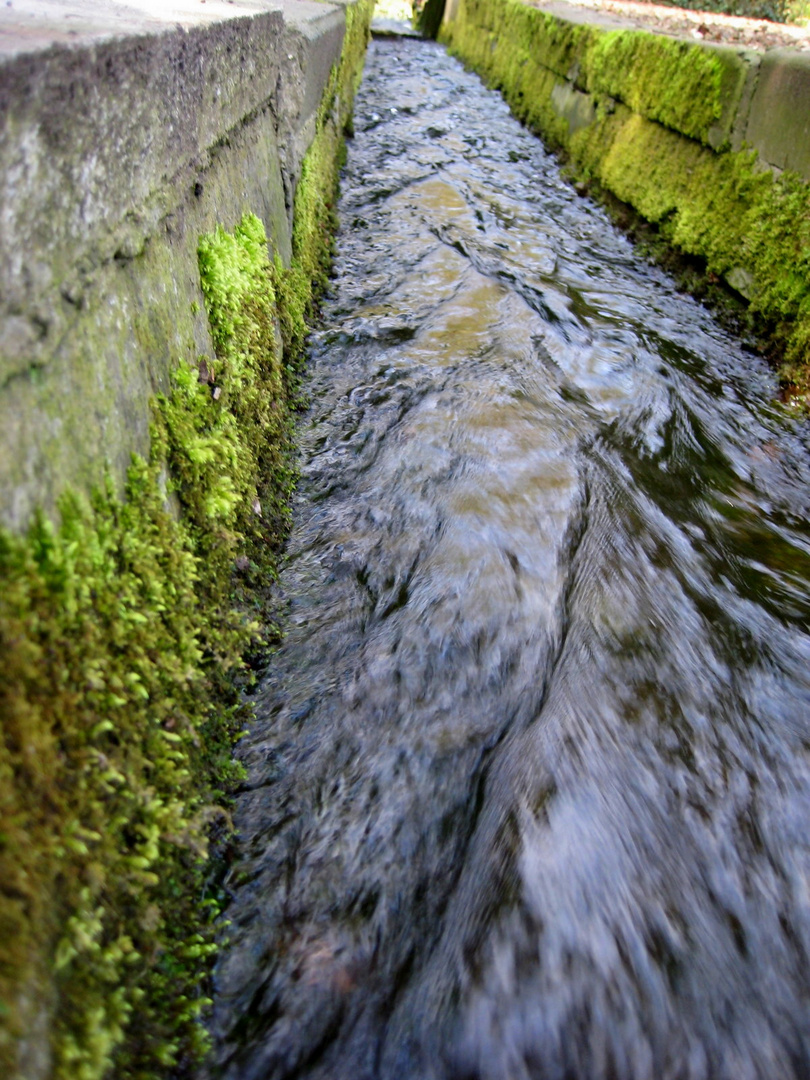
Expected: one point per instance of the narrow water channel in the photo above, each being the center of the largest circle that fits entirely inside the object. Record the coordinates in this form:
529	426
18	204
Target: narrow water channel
529	794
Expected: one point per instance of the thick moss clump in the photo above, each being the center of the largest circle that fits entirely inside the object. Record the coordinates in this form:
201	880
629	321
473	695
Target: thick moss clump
226	423
640	114
680	85
121	647
684	86
123	636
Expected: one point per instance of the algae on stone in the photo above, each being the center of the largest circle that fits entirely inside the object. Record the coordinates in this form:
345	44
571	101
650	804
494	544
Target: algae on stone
650	119
122	641
123	631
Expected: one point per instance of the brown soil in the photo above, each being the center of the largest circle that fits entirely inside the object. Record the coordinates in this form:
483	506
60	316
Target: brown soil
702	25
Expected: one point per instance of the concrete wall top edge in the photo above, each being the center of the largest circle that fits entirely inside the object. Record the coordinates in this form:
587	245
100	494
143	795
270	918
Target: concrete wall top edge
100	139
580	16
33	25
311	16
95	135
579	12
120	144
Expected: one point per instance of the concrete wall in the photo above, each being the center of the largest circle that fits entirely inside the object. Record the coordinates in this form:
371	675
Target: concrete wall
126	131
709	142
777	122
763	99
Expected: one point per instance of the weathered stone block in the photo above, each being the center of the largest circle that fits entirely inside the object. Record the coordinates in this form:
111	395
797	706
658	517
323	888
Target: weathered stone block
779	121
122	140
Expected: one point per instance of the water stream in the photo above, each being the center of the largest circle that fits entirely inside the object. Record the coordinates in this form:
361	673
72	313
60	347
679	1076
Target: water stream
529	793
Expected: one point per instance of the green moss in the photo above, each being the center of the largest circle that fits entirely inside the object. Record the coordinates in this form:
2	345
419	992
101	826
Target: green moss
687	87
646	95
226	423
107	777
123	633
315	219
719	207
673	82
124	648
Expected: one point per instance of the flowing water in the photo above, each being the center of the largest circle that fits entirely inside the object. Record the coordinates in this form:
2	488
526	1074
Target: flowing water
529	794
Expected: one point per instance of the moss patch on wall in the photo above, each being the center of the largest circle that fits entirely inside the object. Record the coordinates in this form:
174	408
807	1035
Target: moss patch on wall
677	84
641	124
122	643
315	218
685	86
123	636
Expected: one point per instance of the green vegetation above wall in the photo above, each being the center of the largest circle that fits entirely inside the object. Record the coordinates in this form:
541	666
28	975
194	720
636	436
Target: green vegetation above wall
783	11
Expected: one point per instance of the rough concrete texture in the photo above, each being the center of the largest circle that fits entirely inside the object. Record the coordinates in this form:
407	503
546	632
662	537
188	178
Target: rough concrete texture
30	25
779	119
126	131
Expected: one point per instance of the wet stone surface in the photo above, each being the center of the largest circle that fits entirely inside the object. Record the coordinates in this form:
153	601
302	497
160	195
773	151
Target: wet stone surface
529	792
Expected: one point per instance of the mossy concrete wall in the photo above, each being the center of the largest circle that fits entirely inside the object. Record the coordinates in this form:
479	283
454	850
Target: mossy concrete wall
138	150
708	142
126	131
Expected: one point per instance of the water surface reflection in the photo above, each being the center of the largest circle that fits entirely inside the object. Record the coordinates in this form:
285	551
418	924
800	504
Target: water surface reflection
530	792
